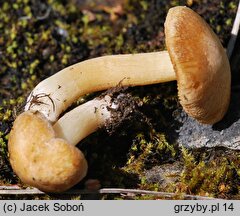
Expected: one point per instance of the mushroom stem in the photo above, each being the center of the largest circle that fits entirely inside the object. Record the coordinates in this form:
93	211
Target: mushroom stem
83	120
59	91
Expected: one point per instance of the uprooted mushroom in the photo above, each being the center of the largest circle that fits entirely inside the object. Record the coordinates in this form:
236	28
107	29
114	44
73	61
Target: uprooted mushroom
203	74
194	52
43	155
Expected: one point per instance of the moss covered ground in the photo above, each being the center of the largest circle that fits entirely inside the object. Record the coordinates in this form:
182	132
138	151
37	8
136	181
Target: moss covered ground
38	38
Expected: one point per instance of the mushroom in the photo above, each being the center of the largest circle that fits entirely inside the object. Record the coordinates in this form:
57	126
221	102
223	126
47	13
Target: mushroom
44	155
194	53
41	159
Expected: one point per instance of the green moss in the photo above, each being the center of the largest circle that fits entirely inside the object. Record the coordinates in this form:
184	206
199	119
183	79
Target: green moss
218	177
144	153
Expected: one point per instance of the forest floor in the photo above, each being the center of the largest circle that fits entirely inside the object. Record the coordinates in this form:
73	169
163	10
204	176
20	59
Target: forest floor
39	38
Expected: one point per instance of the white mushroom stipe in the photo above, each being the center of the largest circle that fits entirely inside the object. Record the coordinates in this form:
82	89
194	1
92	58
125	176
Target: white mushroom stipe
84	120
56	93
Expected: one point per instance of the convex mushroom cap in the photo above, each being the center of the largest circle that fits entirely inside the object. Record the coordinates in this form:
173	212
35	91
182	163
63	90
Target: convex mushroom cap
201	65
42	160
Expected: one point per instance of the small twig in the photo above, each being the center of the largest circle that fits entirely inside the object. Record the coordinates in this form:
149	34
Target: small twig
234	33
15	190
38	18
25	18
12	187
45	16
147	192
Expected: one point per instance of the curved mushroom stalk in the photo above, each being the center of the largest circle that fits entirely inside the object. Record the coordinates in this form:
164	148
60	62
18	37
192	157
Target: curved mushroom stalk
200	62
41	159
80	122
56	93
44	156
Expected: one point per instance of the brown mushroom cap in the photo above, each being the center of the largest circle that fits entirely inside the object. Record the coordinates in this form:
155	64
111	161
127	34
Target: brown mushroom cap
201	65
40	159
